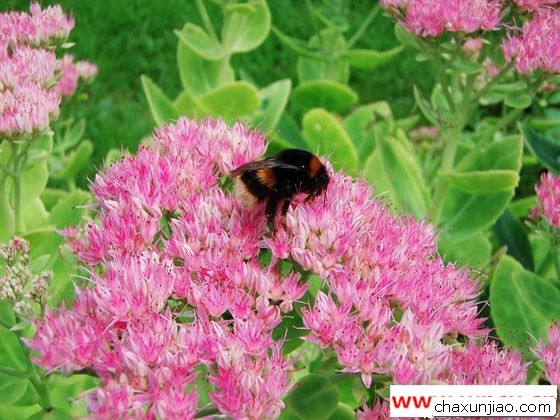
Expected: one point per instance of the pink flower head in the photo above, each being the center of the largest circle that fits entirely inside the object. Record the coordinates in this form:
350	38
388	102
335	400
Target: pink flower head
472	47
548	353
430	18
485	365
43	26
537	45
71	72
548	192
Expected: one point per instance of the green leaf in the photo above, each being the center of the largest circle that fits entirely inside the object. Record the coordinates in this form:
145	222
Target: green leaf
289	130
545	148
273	100
65	390
370	59
522	305
523	206
29	397
50	197
343	412
7	315
15	412
351	390
405	37
506	88
34	214
200	42
467	67
66	213
11	389
309	69
34	179
161	107
296	45
200	76
76	161
61	288
186	104
465	214
482	182
277	144
11	352
43	241
331	43
510	232
327	94
291	329
325	135
246	25
425	107
359	126
231	101
519	100
393	168
473	251
313	398
72	135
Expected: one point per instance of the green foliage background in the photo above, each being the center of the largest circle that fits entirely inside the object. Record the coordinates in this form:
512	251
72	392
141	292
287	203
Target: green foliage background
128	39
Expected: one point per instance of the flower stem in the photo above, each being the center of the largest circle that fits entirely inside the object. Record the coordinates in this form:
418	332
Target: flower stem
555	255
38	382
16	177
358	34
6	211
451	140
206	19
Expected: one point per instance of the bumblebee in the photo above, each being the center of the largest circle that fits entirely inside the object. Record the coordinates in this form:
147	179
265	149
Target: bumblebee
277	179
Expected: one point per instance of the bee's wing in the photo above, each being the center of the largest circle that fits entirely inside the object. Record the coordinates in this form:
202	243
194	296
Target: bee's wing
260	164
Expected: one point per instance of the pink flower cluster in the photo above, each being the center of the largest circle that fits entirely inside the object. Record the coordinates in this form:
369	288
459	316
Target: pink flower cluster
431	18
71	72
550	356
188	288
29	93
43	27
548	192
537	45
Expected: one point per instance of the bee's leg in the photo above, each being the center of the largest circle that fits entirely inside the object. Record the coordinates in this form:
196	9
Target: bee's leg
286	206
272	205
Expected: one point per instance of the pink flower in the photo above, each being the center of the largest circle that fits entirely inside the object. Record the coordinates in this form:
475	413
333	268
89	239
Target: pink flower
485	365
472	47
70	72
549	198
185	281
430	18
42	27
69	340
548	353
536	46
29	95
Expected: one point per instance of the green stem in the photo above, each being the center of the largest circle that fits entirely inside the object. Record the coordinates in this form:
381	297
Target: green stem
206	20
6	211
13	372
492	82
358	34
451	140
17	189
38	382
440	75
555	254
